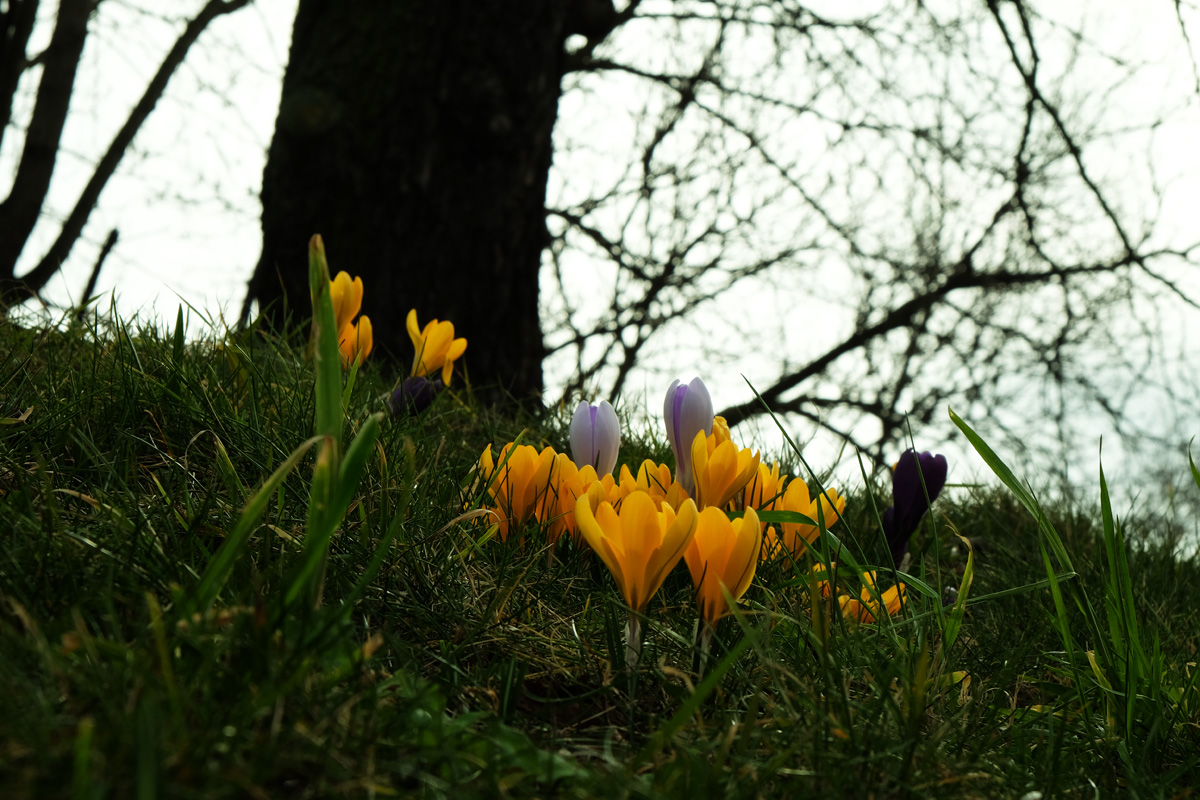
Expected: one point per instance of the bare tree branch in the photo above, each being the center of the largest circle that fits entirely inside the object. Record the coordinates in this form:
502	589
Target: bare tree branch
16	25
19	211
979	256
14	289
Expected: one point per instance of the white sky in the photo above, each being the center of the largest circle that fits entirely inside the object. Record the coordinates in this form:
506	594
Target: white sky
185	197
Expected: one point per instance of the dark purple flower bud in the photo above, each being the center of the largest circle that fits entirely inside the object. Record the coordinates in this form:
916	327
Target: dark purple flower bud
911	497
415	395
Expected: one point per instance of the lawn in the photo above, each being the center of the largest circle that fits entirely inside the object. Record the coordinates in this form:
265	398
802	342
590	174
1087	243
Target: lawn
186	611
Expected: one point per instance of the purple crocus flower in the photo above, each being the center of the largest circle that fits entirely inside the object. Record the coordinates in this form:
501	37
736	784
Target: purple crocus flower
687	410
595	436
415	394
911	498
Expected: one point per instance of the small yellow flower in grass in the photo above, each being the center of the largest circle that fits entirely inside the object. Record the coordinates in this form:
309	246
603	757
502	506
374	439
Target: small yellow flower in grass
640	544
569	482
871	602
720	470
346	295
722	558
518	483
794	537
356	339
655	480
436	347
763	490
821	577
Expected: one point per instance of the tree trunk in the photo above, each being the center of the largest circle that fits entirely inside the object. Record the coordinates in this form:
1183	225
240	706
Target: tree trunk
415	137
20	210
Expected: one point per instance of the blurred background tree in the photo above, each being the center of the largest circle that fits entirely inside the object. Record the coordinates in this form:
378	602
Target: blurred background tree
870	210
54	70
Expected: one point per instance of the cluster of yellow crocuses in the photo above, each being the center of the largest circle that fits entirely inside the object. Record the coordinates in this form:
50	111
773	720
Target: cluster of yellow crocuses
436	348
641	525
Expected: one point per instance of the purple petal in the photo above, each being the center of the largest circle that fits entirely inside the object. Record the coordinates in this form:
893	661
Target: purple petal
415	395
686	410
911	497
595	436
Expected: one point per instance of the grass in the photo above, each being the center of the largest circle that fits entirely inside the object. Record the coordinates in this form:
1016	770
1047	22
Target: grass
144	654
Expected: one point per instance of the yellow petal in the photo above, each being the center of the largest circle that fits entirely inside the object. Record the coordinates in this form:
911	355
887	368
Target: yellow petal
595	536
706	556
722	558
437	343
355	338
414	332
366	335
640	537
457	348
743	557
720	430
699	463
680	529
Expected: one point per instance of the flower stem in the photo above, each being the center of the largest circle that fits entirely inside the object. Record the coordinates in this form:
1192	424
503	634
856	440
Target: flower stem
633	642
704	643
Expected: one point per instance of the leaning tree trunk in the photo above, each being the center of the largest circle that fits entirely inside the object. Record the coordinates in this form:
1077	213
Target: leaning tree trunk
415	137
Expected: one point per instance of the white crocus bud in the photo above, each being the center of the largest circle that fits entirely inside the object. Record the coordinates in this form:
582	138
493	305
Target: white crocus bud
595	436
686	410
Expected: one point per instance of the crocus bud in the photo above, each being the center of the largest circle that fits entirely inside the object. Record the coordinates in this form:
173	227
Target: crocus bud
595	436
686	410
911	497
415	395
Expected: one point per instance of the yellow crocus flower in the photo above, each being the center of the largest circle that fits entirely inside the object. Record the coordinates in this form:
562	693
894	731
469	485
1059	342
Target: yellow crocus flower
356	339
640	545
722	558
720	470
436	347
794	537
762	491
654	479
569	482
518	483
871	602
346	295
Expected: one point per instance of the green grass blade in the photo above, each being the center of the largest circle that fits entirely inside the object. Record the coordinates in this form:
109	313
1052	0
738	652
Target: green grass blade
1049	541
1122	613
176	355
686	711
321	524
953	620
351	377
354	463
775	517
83	782
1026	498
222	565
327	360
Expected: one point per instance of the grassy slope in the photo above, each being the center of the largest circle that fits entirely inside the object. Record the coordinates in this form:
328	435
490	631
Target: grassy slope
480	669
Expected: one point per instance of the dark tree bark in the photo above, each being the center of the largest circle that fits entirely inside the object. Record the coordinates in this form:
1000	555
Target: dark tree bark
19	211
415	137
16	26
